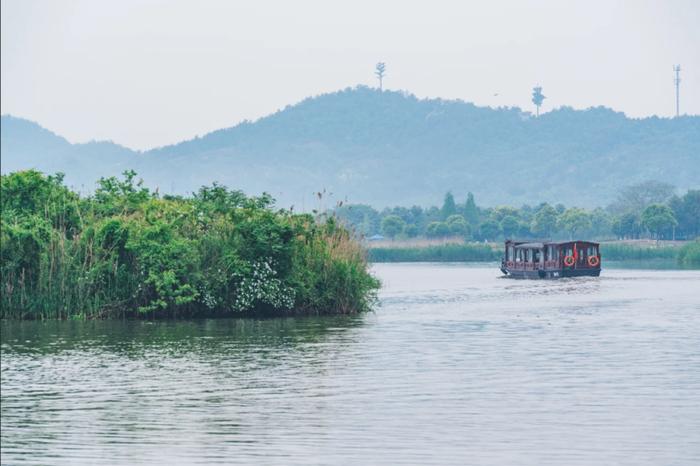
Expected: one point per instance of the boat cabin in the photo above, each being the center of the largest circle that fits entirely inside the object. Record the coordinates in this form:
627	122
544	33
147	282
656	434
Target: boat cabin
551	259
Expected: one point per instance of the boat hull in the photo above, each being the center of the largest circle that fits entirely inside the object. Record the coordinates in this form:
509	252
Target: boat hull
551	274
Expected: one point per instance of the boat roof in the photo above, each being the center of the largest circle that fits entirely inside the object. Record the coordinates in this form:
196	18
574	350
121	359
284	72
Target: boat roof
540	245
530	245
572	241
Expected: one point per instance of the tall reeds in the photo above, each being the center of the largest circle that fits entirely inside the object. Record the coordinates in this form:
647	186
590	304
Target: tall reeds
441	253
124	252
689	254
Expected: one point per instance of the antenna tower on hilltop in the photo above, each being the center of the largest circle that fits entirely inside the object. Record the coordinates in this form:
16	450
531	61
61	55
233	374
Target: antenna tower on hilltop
379	70
677	82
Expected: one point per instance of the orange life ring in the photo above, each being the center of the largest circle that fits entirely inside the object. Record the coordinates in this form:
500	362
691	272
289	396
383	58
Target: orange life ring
569	261
593	261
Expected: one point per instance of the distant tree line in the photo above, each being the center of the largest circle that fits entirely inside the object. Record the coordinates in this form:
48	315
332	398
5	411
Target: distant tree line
644	210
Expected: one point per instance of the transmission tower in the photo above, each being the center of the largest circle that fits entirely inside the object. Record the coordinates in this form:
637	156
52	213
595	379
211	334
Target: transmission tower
677	81
379	70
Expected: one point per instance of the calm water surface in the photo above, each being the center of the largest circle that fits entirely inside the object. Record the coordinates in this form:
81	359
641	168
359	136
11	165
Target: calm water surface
456	366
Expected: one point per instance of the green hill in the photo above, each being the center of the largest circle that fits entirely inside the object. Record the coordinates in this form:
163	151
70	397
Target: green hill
391	148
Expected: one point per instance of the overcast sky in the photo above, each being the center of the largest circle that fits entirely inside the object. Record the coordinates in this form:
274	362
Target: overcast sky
148	73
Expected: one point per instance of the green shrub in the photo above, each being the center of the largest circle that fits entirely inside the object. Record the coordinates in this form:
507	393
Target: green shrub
126	252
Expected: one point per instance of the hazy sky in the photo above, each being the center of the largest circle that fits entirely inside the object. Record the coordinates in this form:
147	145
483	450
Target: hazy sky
148	73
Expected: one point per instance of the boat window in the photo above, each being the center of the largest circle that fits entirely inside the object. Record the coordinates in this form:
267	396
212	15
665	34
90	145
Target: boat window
536	255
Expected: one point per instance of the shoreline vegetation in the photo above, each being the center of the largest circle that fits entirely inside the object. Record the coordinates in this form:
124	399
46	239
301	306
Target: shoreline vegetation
127	252
647	221
685	253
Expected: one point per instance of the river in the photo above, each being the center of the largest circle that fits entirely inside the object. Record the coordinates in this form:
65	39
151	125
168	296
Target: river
455	366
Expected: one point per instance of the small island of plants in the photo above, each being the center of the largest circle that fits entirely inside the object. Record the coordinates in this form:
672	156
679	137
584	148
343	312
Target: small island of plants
125	251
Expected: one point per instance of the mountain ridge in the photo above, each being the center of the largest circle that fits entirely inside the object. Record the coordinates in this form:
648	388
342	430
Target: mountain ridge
391	148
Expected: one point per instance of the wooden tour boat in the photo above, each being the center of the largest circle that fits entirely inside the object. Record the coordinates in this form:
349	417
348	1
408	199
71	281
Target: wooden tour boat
551	259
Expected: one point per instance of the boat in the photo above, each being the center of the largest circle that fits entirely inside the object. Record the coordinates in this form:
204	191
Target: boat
551	259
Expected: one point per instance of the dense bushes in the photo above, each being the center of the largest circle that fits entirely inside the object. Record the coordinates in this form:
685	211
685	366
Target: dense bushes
125	251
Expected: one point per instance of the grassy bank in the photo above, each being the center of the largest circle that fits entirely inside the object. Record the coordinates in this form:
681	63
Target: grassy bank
620	252
125	251
441	253
689	255
473	252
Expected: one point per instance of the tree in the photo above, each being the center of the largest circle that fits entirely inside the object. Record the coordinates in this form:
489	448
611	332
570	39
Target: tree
524	230
437	230
574	220
686	209
545	221
448	206
509	226
489	229
626	226
379	70
656	218
500	212
471	211
393	225
417	217
637	197
537	98
363	218
411	230
600	222
458	225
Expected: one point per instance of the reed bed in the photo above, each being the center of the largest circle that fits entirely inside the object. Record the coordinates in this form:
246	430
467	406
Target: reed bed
443	253
126	252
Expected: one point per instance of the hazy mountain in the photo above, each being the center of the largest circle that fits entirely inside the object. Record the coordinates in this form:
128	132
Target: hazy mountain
392	148
25	144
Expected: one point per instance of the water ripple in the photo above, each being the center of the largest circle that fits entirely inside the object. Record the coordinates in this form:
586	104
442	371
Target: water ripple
456	366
